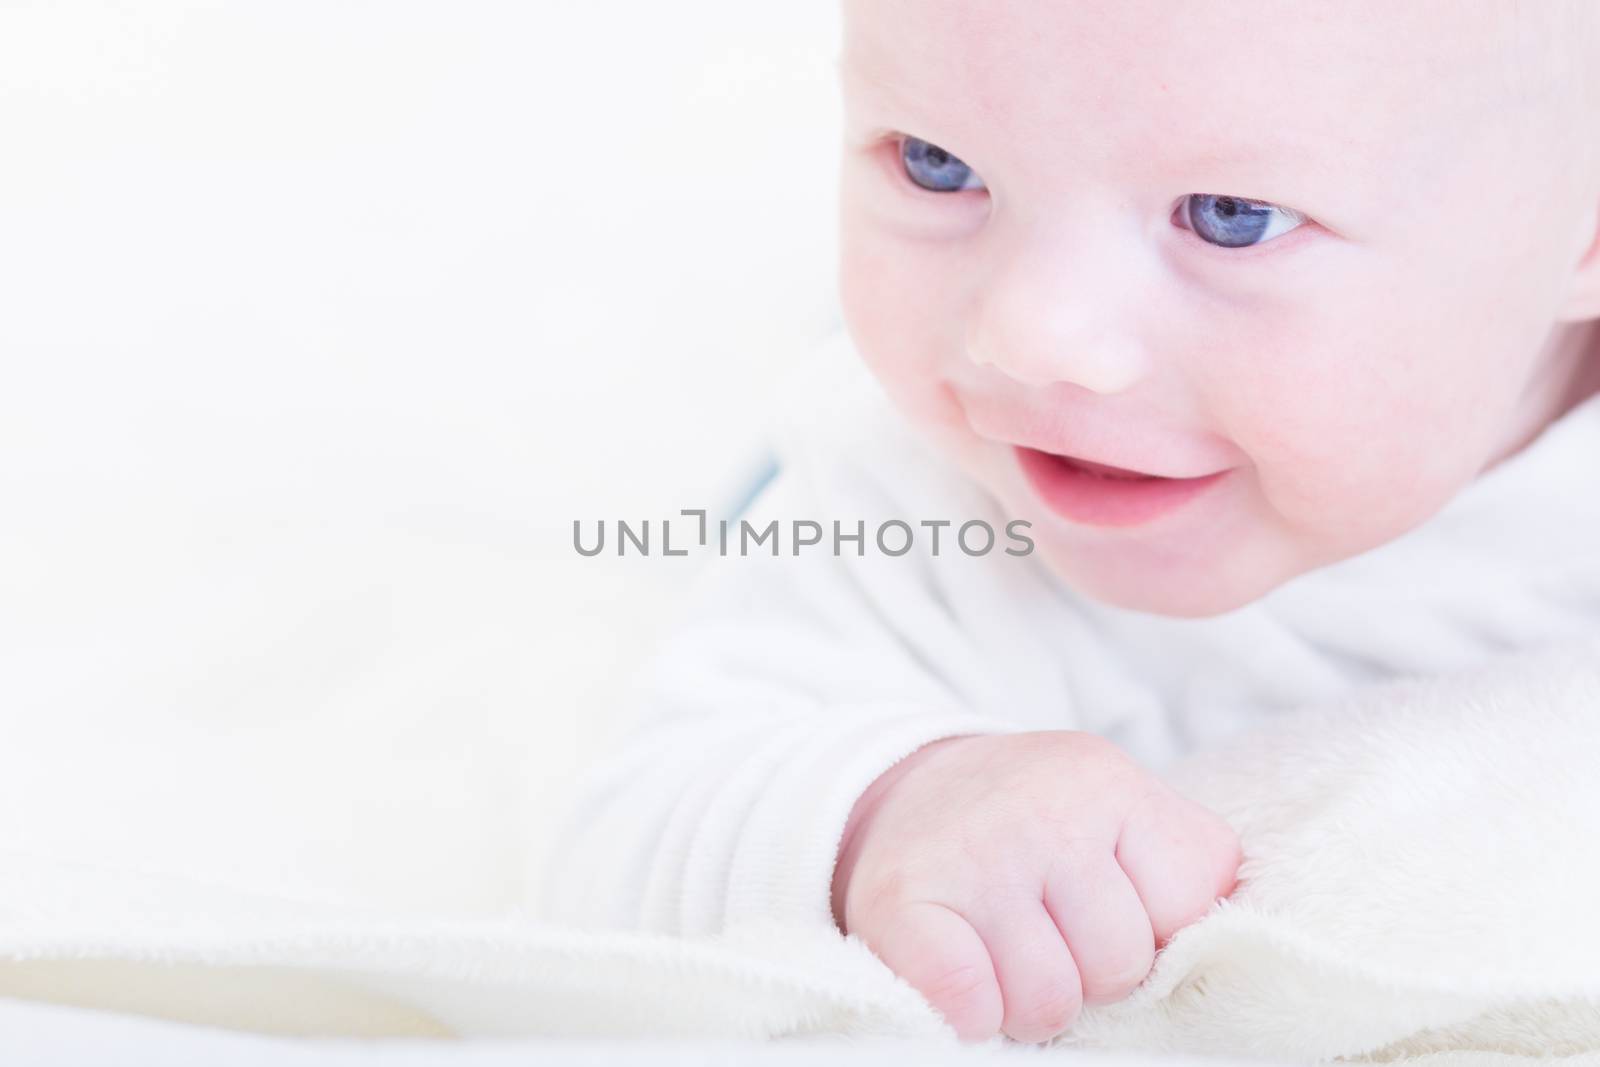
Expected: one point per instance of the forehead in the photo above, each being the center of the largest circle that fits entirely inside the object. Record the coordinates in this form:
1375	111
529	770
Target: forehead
1321	80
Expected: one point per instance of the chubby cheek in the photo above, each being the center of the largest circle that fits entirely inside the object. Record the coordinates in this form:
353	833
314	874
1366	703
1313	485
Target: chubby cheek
1358	425
904	318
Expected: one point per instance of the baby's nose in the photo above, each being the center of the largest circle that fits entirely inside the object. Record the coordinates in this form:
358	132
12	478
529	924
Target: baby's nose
1042	319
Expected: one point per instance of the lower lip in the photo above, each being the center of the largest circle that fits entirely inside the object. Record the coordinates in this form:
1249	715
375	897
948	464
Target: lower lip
1096	500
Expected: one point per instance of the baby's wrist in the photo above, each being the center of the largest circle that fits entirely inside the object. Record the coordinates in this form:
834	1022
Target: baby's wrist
861	814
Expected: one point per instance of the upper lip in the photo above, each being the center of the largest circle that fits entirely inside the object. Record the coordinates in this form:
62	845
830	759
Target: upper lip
1031	431
1130	468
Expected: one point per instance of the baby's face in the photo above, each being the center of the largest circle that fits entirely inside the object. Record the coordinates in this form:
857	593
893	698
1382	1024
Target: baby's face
1324	251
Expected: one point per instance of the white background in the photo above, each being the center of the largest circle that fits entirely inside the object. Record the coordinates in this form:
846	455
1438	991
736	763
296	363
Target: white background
320	322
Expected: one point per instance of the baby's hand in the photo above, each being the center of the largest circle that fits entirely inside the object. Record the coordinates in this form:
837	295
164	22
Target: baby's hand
1013	878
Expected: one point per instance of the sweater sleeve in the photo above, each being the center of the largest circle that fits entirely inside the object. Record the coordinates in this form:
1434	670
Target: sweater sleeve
786	685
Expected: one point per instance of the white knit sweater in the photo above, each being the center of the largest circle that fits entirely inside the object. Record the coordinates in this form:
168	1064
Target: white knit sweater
790	682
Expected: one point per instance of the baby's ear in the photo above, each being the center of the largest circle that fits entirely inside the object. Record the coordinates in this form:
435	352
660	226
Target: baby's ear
1583	292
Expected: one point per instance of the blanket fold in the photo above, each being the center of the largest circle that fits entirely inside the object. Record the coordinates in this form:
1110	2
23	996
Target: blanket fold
1420	875
1421	883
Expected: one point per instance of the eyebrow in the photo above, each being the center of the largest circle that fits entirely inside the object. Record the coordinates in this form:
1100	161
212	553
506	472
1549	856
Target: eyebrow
894	95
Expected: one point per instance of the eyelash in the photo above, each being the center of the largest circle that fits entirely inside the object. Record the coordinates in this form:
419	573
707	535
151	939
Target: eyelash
893	146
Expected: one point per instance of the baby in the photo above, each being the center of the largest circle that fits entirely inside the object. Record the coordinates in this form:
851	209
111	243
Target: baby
1263	315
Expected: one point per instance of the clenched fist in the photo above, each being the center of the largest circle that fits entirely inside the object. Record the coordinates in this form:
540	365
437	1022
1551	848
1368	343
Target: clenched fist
1013	878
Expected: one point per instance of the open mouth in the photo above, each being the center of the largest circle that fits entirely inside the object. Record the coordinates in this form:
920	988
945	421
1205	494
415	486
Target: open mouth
1098	495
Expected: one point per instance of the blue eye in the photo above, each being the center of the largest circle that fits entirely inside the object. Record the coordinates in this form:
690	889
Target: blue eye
1232	222
935	169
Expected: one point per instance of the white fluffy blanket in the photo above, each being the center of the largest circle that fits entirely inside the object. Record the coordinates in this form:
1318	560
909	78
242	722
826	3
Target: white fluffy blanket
1422	881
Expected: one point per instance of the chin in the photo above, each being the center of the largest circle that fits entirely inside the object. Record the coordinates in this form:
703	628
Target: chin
1215	589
